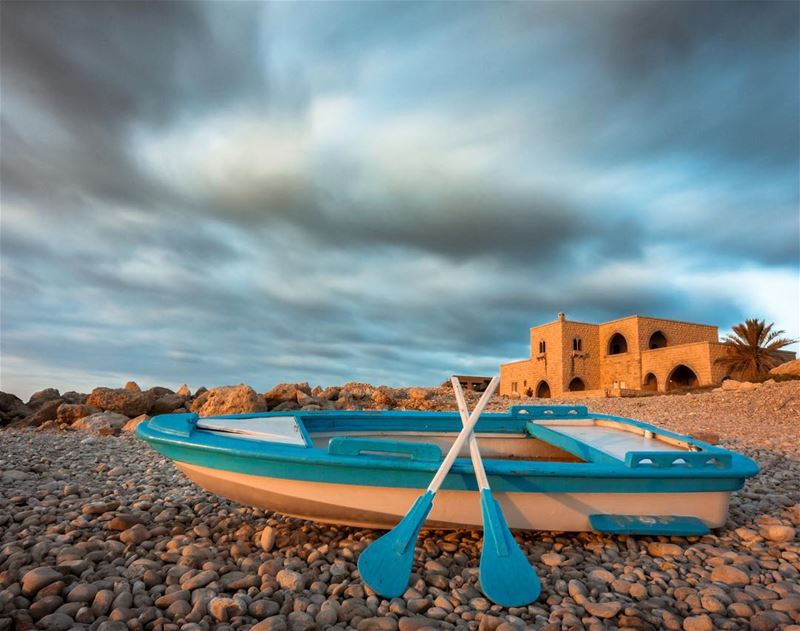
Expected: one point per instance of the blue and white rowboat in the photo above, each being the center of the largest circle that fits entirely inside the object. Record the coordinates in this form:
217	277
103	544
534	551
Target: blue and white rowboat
550	467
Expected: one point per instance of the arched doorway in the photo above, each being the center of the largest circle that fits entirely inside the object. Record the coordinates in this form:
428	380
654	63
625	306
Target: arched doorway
543	390
682	377
650	383
617	344
657	340
576	385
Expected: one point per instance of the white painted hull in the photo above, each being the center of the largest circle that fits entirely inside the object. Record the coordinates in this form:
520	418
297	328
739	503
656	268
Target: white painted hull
382	507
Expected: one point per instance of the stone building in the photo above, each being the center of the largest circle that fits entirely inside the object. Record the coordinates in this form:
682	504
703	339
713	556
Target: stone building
615	358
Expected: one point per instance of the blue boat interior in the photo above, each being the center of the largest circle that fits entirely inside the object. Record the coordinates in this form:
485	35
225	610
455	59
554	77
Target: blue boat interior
555	434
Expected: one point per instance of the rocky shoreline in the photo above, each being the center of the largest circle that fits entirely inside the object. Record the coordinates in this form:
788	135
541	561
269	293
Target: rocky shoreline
99	532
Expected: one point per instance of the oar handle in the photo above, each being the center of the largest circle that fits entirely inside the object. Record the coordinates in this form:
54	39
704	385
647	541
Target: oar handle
462	437
474	451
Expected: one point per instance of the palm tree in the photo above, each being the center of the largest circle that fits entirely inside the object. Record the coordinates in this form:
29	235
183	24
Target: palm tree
752	348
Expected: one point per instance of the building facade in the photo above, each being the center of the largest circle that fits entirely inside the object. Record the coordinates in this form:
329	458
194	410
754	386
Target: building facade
615	358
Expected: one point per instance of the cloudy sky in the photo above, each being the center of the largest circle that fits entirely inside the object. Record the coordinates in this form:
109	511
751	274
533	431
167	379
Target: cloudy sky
383	192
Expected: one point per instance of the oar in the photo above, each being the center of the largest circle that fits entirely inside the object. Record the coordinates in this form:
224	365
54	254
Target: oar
506	575
385	565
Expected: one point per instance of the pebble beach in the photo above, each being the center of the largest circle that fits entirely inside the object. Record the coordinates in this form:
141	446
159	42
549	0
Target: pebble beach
97	531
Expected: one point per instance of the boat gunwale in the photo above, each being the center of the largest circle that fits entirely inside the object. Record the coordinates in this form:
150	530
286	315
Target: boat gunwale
506	471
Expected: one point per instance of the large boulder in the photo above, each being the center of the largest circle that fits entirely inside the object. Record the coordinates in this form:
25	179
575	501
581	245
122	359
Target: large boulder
229	400
68	413
167	404
120	400
47	411
357	390
74	397
159	391
131	425
12	408
789	368
102	423
43	396
286	393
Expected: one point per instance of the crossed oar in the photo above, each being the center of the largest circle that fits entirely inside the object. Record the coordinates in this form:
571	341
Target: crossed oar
506	576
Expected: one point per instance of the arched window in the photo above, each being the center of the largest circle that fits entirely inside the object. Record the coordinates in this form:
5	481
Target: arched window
682	377
576	385
617	344
542	346
543	390
577	344
650	383
657	340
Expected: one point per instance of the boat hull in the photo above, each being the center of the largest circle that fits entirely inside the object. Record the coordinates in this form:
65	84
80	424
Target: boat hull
453	509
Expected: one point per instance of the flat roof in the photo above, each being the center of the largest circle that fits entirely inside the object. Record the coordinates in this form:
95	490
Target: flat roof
630	317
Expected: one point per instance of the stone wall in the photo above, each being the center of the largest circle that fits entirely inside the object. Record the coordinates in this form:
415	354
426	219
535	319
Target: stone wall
693	345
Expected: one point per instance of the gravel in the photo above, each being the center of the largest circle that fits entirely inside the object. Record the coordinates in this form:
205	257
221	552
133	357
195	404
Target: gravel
102	533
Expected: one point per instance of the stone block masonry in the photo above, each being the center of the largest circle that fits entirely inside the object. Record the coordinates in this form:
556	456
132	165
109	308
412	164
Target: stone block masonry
630	354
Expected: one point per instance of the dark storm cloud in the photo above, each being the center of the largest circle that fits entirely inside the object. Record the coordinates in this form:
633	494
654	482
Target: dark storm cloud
218	193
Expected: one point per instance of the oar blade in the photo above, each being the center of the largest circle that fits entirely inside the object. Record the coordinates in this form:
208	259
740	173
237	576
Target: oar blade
507	577
385	565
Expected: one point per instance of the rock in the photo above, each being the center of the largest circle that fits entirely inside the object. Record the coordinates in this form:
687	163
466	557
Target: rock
328	614
267	539
184	391
383	623
229	400
603	610
55	622
12	408
383	397
200	580
602	576
264	608
127	402
419	394
275	623
660	549
778	533
102	602
47	411
224	609
167	404
790	604
301	621
82	593
731	384
74	397
38	578
415	623
68	413
767	621
356	390
286	393
102	423
45	605
132	386
552	559
291	580
43	396
730	576
135	534
698	623
787	368
131	425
